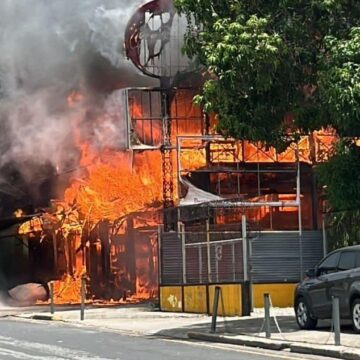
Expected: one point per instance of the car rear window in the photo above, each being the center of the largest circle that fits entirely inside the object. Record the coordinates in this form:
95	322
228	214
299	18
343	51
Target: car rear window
347	260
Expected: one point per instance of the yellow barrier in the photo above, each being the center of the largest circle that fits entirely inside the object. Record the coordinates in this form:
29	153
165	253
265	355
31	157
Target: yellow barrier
171	298
282	295
230	299
195	299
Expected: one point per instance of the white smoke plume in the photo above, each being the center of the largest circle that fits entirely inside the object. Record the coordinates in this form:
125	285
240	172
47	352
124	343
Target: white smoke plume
49	48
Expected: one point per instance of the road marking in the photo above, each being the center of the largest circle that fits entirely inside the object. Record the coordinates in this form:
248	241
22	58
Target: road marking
24	356
56	351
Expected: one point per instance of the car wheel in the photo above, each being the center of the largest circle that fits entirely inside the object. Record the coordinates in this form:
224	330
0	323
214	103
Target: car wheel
355	315
303	316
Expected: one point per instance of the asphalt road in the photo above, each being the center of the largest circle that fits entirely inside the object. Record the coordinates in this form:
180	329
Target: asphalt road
55	341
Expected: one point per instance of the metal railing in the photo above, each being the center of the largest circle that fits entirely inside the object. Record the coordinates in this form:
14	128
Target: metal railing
212	257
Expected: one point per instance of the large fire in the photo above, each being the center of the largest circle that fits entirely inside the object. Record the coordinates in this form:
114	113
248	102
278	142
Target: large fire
105	226
91	222
118	183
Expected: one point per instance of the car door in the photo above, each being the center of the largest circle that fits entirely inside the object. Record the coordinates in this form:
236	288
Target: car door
340	282
319	288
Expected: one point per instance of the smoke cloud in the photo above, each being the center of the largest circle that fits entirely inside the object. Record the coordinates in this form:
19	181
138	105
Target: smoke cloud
49	49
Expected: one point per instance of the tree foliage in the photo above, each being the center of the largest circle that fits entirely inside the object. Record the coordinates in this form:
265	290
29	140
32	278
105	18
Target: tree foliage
281	68
339	83
342	229
341	175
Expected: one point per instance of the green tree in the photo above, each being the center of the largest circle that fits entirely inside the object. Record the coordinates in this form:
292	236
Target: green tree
341	178
278	69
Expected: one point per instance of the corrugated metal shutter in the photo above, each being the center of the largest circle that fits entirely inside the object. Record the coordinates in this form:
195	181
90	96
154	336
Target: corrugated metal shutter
171	259
275	256
313	250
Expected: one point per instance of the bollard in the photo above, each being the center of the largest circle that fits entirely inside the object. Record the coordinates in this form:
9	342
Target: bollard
267	315
52	307
215	309
82	305
336	319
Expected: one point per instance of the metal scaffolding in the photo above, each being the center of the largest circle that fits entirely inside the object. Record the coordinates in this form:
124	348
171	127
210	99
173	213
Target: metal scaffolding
204	141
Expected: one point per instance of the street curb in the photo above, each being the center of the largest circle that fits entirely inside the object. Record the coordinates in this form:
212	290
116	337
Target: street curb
46	317
241	340
307	349
339	352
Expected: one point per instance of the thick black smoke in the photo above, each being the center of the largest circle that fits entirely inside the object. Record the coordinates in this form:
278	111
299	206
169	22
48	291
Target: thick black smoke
48	49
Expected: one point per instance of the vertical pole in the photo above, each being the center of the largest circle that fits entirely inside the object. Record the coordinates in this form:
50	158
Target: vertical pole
314	201
246	287
208	250
238	178
324	235
151	114
82	305
52	308
166	149
183	246
128	120
267	315
215	309
245	248
200	263
216	263
251	290
160	231
178	162
258	170
298	200
233	260
336	319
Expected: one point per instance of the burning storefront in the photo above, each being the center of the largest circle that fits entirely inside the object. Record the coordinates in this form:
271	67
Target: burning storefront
140	159
87	206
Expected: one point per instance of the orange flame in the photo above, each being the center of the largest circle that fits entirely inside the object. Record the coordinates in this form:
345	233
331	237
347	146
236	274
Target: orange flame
118	183
18	213
35	225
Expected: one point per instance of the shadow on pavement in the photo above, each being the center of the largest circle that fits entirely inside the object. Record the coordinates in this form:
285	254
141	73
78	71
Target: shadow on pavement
254	327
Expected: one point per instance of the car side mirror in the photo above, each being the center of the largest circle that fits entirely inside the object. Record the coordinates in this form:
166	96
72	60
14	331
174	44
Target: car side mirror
311	273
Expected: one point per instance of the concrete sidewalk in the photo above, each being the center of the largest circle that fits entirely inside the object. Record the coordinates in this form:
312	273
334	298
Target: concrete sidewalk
285	334
146	320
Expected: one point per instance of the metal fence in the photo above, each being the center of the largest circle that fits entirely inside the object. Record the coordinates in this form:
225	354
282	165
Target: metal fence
203	256
210	256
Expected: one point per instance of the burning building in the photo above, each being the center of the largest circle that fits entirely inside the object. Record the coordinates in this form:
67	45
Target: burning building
67	170
148	196
232	209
